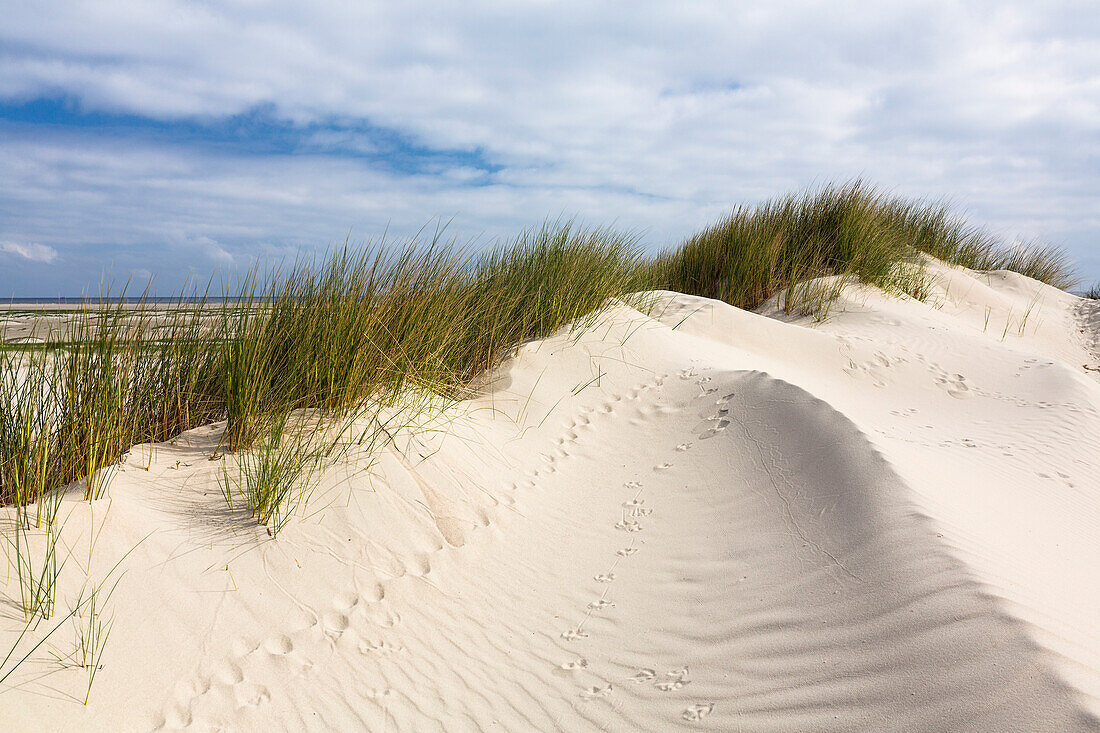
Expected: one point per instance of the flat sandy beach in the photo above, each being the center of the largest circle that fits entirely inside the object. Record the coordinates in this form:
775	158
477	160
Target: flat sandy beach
701	518
29	323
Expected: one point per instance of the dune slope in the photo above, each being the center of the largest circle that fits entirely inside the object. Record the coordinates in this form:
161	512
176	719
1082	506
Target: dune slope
704	518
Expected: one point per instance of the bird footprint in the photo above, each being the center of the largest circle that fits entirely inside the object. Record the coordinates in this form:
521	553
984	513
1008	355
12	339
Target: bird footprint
596	691
675	679
698	711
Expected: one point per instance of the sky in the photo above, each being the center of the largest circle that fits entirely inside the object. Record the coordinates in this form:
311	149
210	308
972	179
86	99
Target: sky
170	141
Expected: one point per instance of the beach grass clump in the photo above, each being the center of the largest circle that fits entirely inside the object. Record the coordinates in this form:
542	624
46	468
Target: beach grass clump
542	280
71	409
35	553
272	476
28	437
757	251
935	230
93	385
175	371
367	327
849	230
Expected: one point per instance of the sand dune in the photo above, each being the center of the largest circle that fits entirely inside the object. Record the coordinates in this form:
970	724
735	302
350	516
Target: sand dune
704	518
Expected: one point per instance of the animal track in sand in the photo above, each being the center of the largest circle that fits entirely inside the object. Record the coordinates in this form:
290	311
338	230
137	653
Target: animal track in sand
674	680
698	711
382	694
596	691
600	605
954	384
382	616
249	695
573	666
703	382
380	647
871	368
637	508
662	467
243	646
335	624
574	634
627	525
719	424
279	645
626	551
178	716
418	566
684	446
196	687
345	600
604	577
719	421
632	485
643	675
228	673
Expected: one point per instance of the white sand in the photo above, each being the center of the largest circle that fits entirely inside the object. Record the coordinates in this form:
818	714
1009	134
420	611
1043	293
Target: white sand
711	519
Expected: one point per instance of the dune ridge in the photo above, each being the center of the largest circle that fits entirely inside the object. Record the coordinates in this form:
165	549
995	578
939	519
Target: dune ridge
699	518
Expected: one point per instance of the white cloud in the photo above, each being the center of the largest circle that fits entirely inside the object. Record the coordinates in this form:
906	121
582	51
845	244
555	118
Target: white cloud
657	116
32	252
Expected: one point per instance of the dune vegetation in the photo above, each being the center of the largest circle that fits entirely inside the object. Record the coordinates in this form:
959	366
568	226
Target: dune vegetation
365	327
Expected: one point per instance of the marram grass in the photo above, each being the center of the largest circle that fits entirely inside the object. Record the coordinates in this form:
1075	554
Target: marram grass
365	327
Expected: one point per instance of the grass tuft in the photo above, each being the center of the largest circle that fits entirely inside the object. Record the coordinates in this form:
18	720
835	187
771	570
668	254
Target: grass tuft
272	476
847	229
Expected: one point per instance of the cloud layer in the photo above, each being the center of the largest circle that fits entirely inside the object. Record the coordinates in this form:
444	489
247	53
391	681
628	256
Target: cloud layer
179	137
32	252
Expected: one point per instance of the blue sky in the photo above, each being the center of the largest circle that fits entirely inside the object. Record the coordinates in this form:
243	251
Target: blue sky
174	140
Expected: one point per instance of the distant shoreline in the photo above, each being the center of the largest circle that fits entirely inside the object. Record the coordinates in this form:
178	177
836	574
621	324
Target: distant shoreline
77	302
46	305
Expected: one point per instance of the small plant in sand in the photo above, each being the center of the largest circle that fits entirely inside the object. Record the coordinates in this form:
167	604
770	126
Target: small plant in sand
39	592
272	477
34	553
92	630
